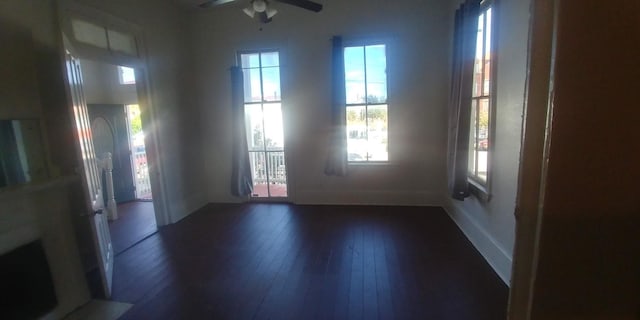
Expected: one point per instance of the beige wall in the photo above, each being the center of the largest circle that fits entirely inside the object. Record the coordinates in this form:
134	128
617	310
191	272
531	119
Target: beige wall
588	255
417	34
166	38
101	84
31	74
490	225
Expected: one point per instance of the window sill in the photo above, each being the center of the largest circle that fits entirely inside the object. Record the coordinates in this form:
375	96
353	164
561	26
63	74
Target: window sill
368	163
479	190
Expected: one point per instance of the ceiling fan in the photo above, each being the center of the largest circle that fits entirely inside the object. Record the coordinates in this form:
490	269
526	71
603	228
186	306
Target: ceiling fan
262	9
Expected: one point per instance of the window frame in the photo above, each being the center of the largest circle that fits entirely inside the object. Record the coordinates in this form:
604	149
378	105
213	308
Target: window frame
351	43
481	189
262	103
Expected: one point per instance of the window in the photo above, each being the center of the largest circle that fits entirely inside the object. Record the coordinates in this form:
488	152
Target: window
126	75
366	102
481	100
263	122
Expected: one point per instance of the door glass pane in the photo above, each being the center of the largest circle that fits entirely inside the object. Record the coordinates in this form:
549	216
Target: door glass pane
277	174
273	133
376	74
377	149
253	125
271	83
252	92
356	133
270	59
259	174
354	74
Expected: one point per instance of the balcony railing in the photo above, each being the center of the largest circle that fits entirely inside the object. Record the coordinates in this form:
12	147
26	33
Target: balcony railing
143	185
268	167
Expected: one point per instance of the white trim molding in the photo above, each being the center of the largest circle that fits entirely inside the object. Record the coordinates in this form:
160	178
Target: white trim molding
498	258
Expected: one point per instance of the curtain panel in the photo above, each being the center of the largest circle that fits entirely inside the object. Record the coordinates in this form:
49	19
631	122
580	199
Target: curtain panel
464	47
241	181
336	164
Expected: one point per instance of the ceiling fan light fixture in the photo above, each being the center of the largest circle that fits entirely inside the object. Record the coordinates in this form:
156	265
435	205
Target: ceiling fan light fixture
271	12
249	11
259	5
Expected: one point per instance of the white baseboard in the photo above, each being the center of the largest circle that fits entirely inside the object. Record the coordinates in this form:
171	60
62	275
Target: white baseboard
392	198
483	241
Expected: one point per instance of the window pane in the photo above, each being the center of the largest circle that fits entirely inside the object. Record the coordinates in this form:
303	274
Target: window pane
122	42
270	59
127	75
377	121
478	62
356	133
274	137
271	83
89	33
376	61
252	85
472	138
487	54
250	60
253	125
354	74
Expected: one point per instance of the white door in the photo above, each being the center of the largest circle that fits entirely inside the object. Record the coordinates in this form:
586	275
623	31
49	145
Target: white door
91	173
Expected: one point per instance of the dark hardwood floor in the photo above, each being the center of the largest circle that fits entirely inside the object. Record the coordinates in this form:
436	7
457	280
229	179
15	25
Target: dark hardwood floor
136	220
280	261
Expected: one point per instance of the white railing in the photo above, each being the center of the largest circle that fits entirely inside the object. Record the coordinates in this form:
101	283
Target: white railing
268	167
143	185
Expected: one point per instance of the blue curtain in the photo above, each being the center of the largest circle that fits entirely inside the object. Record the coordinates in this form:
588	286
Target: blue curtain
337	160
464	48
241	181
11	170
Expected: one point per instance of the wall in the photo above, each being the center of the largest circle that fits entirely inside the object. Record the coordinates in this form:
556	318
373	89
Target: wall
588	258
32	72
417	34
101	84
165	36
490	225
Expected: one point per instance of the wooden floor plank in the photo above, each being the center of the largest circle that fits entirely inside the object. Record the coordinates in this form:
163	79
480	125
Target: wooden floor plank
282	261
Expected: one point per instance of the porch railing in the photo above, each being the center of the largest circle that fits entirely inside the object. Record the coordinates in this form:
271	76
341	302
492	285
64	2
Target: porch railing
143	185
268	167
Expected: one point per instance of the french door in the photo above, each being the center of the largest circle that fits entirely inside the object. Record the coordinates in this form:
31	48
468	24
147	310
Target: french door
263	123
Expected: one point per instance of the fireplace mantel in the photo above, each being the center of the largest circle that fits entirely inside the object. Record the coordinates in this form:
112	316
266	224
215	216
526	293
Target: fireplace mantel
43	211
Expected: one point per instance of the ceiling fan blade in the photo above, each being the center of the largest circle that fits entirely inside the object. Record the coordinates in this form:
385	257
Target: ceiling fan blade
304	4
211	3
263	17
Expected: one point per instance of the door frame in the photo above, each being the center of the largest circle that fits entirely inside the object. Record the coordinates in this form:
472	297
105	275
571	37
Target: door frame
238	61
67	10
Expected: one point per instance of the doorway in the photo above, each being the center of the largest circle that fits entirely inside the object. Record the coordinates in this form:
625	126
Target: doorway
112	102
263	123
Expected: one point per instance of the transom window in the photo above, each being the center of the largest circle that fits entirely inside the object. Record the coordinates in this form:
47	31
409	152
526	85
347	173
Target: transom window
126	75
481	100
366	102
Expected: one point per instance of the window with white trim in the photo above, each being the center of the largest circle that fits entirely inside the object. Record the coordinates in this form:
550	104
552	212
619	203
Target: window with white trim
480	138
366	102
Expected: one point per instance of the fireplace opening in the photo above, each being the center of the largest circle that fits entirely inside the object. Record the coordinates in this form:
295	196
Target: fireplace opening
27	286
